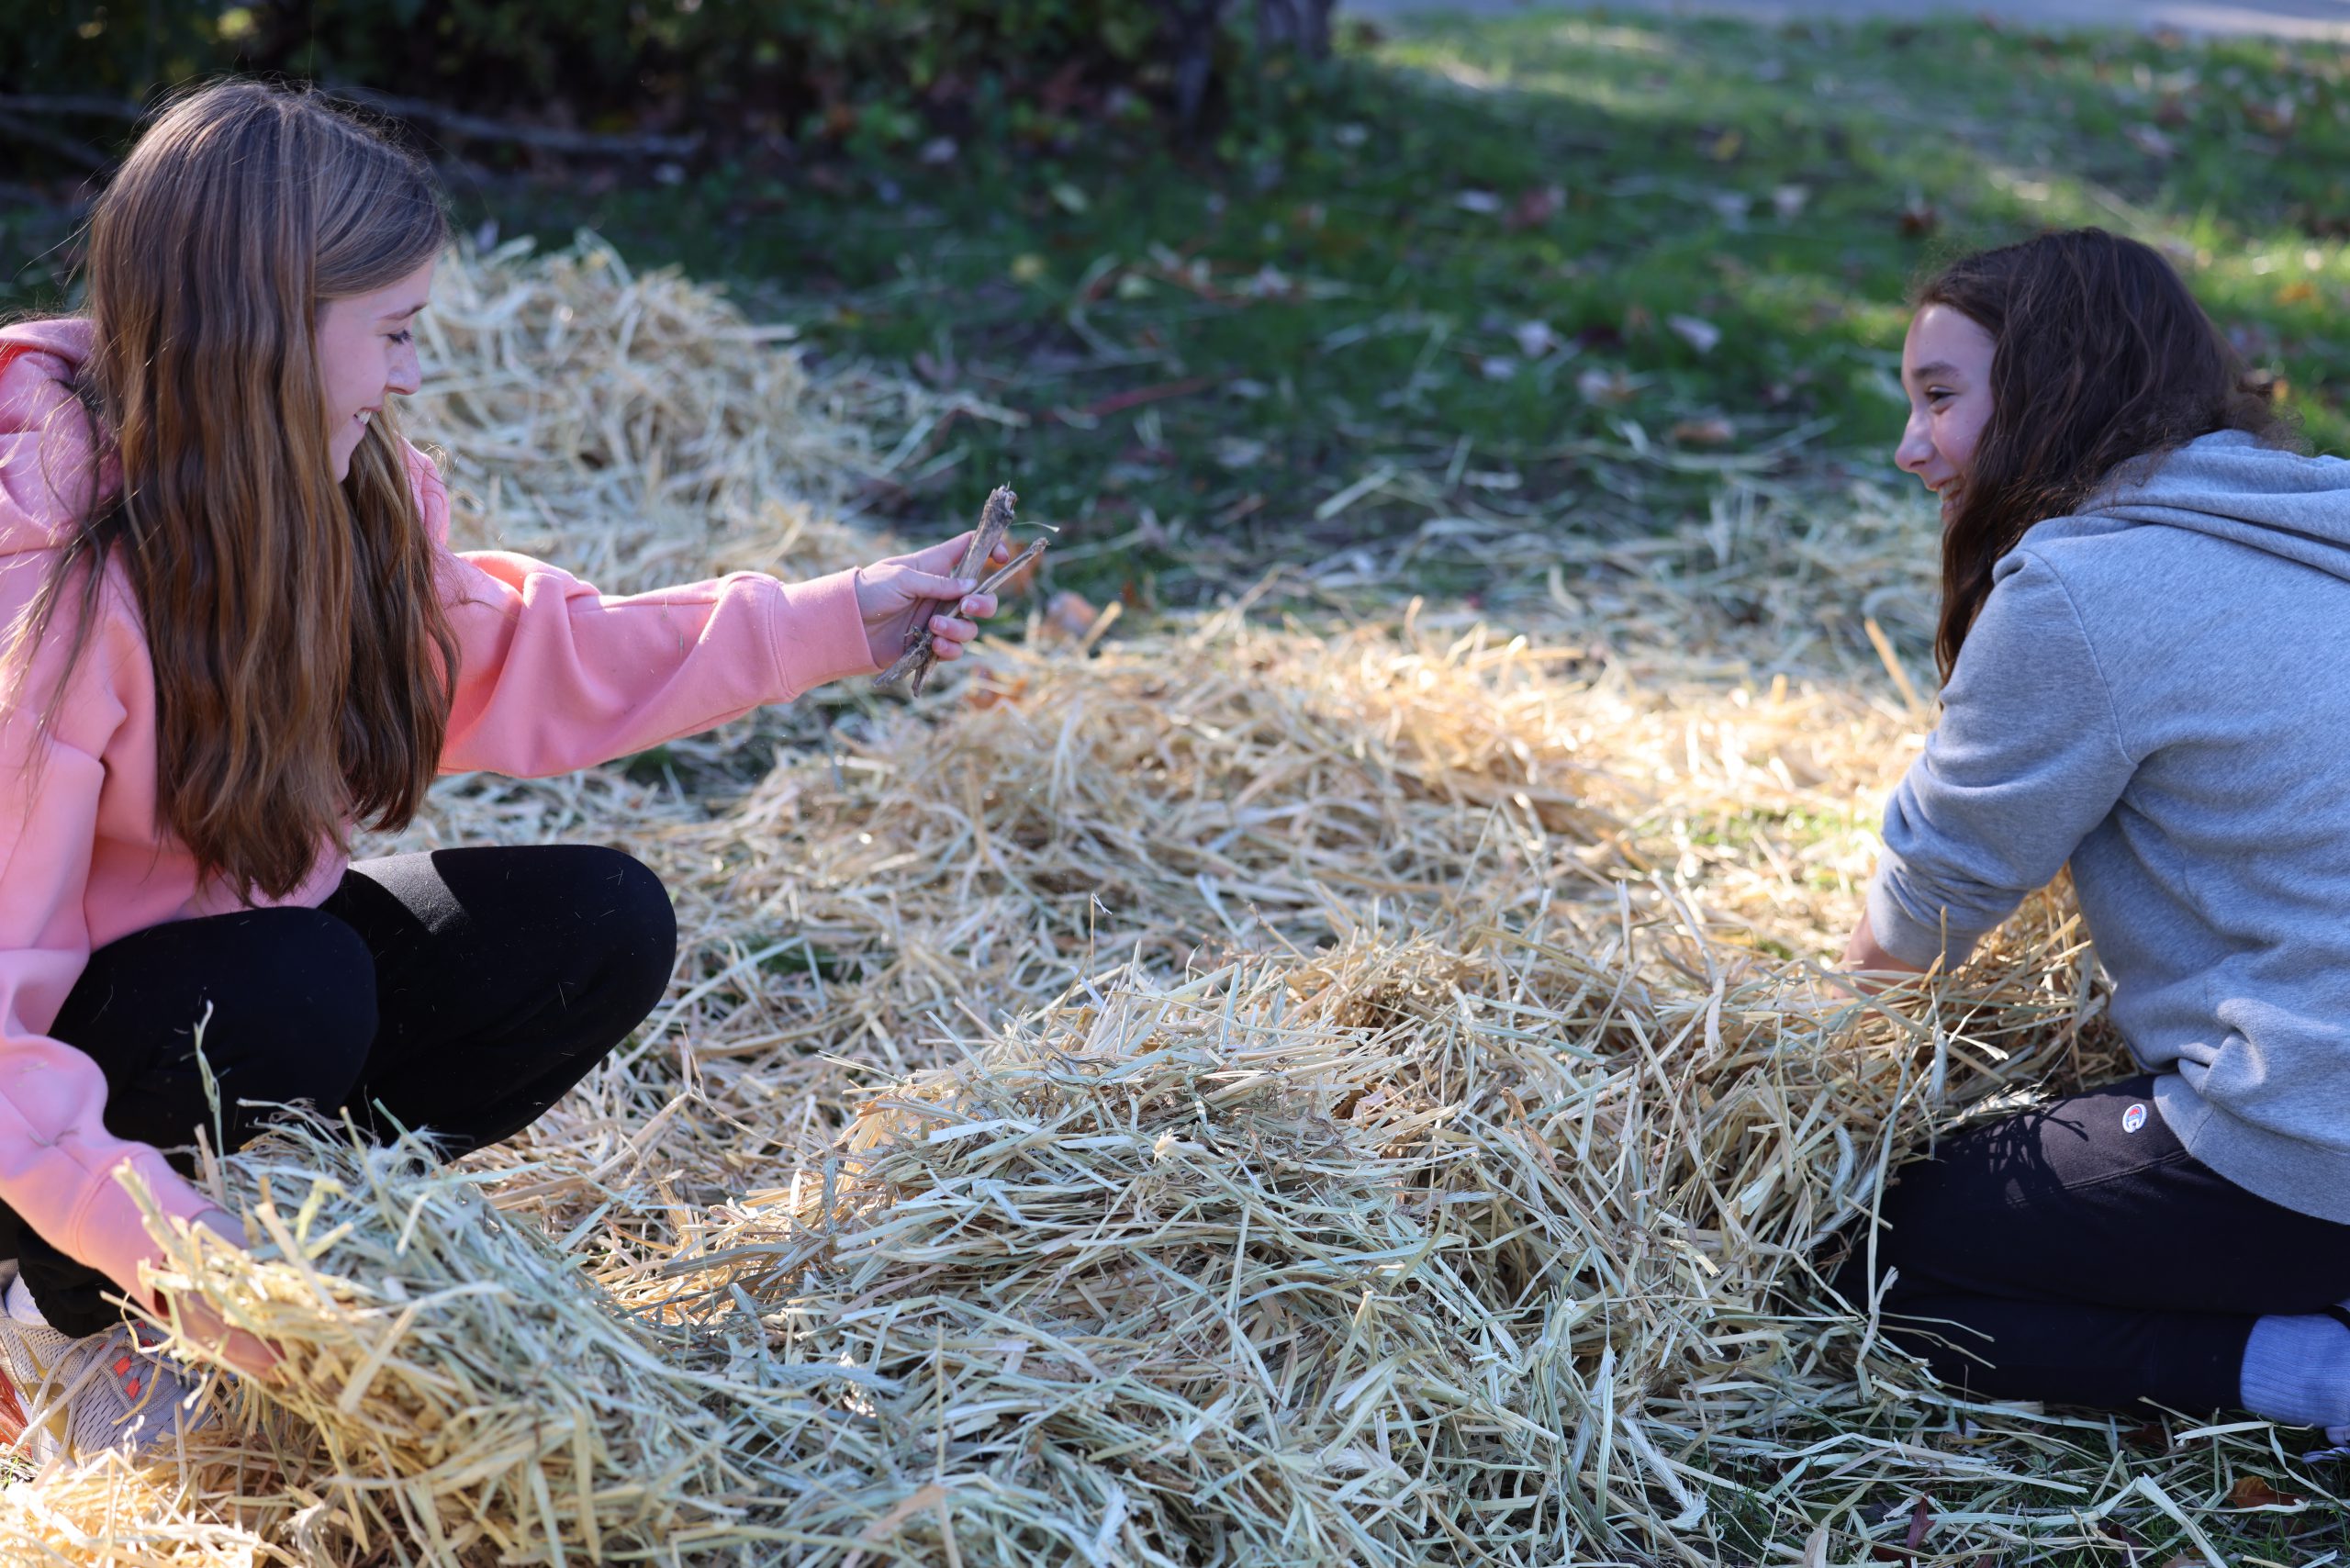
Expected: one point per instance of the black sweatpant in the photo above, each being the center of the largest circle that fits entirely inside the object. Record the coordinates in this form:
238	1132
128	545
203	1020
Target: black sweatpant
2079	1254
463	991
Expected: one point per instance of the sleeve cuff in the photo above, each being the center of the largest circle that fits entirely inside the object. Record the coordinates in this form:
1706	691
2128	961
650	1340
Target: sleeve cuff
110	1235
819	635
1911	940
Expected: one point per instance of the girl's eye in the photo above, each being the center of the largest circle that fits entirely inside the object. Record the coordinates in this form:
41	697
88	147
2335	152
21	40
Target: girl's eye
402	337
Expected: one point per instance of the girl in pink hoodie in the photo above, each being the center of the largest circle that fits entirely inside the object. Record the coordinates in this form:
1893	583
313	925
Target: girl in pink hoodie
234	630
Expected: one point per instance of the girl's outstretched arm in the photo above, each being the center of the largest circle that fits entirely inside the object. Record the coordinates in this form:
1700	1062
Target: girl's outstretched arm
555	676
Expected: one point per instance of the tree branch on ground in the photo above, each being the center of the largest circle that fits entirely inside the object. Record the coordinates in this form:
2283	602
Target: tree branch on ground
65	146
455	122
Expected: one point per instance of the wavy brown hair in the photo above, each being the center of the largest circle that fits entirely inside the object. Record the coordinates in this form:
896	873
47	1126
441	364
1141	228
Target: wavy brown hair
302	659
2102	358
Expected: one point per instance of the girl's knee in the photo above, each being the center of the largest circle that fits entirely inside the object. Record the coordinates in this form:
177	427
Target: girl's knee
648	906
305	1035
635	921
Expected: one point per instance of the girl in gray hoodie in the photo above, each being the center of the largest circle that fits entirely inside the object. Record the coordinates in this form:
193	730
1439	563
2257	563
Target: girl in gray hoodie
2146	653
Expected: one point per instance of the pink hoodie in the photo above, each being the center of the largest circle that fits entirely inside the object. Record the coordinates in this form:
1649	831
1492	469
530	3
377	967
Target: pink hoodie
552	676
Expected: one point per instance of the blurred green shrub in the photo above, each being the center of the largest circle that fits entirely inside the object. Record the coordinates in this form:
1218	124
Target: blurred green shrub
865	72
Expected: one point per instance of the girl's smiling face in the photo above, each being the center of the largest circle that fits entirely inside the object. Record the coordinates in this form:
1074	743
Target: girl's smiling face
1946	370
366	353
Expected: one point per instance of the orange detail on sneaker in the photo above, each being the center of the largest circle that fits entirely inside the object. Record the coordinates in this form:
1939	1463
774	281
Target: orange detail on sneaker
73	1397
12	1414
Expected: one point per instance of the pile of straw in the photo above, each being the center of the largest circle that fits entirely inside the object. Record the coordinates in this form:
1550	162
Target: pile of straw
452	1376
635	427
1229	1095
1373	1258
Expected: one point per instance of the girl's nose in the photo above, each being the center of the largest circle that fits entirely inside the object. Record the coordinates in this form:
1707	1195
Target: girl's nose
407	371
1915	449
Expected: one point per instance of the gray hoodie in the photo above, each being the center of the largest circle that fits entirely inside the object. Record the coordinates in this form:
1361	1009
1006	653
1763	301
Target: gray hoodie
2159	690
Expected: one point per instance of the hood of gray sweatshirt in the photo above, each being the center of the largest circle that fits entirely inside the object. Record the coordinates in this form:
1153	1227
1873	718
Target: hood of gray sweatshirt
2158	691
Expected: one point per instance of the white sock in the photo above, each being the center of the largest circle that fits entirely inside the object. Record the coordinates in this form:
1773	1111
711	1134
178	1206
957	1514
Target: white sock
2297	1370
20	1304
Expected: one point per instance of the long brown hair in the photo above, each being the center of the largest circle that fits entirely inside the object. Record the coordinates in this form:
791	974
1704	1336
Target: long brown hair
302	660
2101	356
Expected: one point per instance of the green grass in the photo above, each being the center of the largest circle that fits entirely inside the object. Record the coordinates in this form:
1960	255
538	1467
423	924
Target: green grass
1216	356
1318	330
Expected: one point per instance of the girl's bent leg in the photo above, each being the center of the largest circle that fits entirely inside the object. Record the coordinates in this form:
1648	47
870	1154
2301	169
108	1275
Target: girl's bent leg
2067	1353
2078	1253
285	999
503	976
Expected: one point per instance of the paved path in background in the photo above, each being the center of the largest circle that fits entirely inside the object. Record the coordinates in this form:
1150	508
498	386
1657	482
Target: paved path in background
2320	19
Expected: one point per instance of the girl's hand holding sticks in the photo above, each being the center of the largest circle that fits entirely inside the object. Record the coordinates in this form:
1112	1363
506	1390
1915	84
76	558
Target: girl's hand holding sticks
920	615
891	594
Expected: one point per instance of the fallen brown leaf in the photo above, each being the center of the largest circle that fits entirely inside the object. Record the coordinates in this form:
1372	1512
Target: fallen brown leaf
1714	431
1535	205
1921	1518
1605	387
1070	614
2254	1492
2273	119
993	689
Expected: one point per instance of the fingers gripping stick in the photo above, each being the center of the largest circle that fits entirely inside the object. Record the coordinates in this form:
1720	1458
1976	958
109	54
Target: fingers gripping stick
995	521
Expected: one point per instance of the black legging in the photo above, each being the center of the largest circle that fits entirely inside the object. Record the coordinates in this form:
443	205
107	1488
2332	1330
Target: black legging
2079	1254
463	991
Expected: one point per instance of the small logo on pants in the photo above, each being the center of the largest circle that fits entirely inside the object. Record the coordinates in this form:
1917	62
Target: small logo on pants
2133	1118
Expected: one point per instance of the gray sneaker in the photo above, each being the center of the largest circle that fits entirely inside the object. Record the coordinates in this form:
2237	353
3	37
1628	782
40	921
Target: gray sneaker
65	1397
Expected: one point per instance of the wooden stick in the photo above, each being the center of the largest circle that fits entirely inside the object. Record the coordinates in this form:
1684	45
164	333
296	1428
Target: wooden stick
58	142
995	521
456	122
1004	574
90	104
